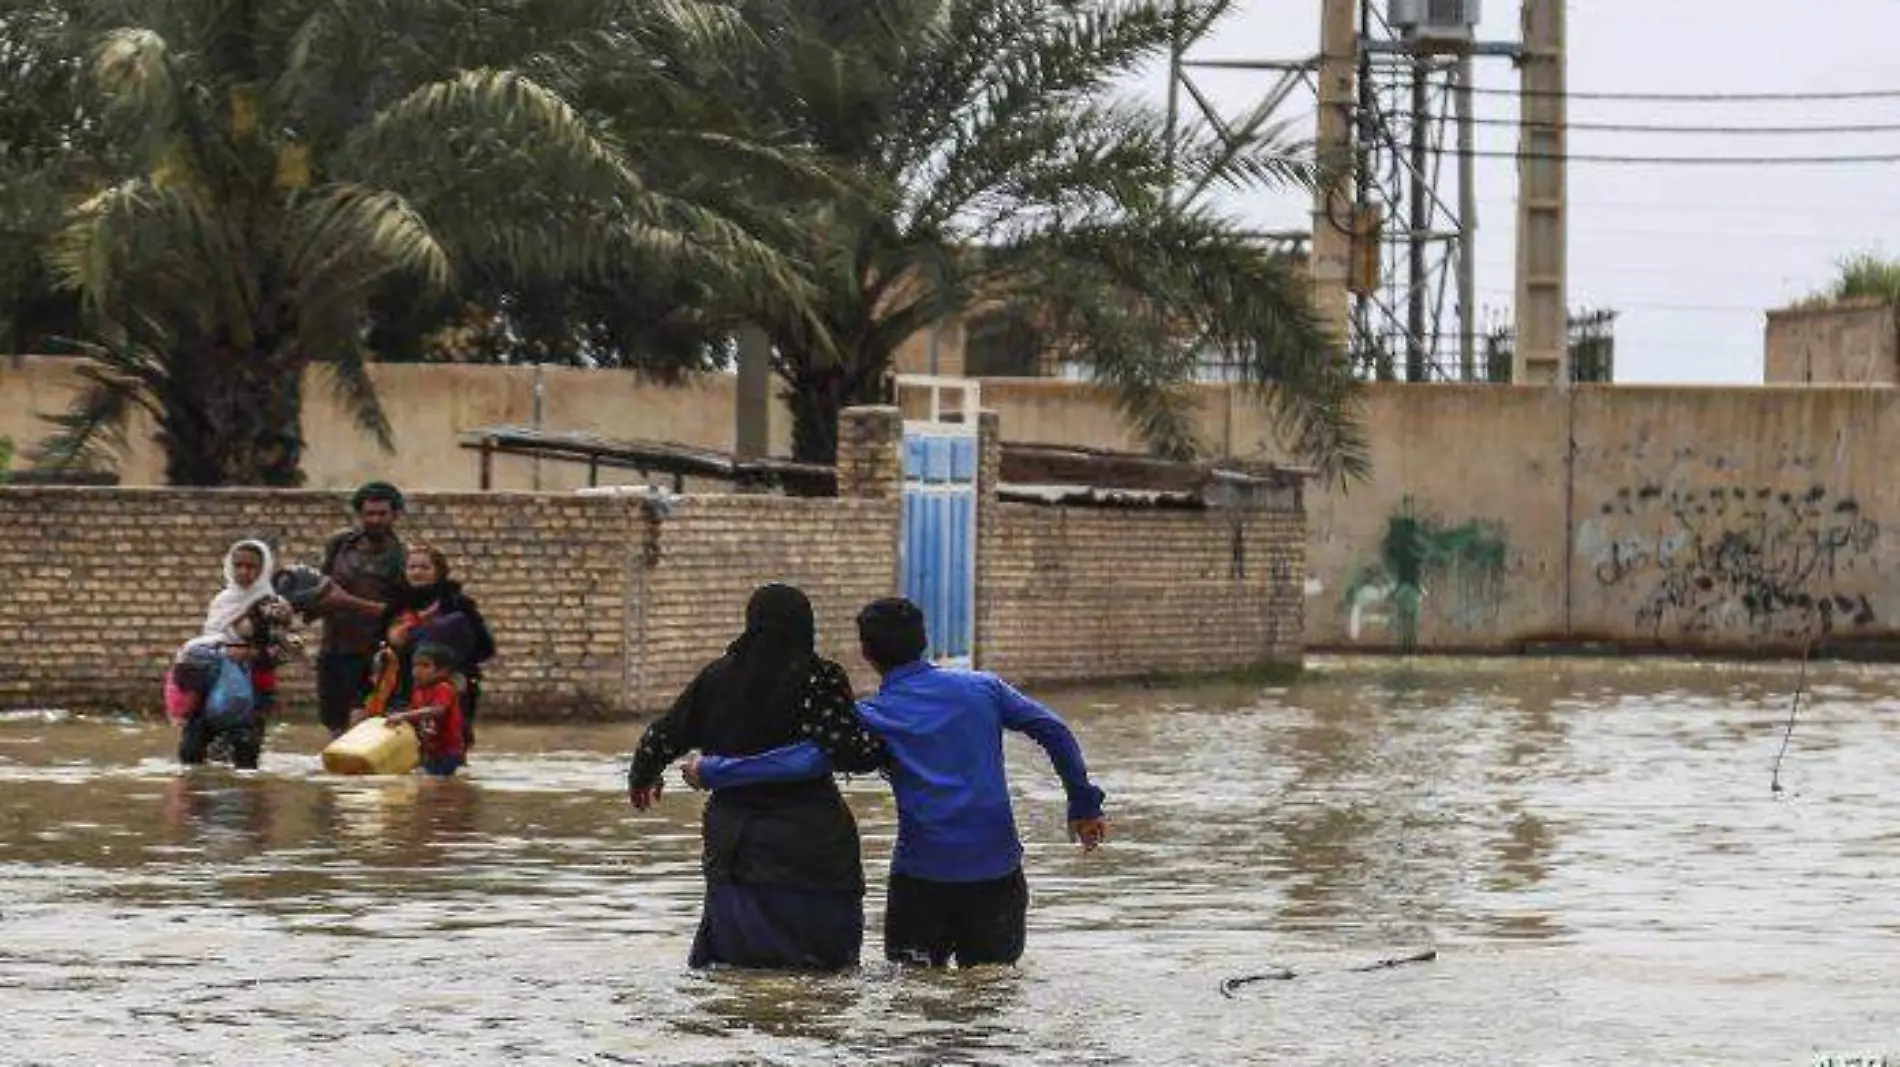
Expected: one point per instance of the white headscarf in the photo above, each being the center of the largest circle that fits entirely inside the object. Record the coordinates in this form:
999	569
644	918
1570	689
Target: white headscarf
234	600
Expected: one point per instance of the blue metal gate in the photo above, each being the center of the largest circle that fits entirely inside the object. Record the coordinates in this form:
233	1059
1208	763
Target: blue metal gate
939	544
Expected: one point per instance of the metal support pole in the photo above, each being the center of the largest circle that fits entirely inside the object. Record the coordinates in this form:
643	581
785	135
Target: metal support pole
1177	44
1419	210
540	416
1467	228
1362	196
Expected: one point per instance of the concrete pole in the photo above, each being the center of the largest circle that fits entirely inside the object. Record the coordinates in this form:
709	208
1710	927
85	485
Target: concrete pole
753	403
1467	227
1542	215
1333	207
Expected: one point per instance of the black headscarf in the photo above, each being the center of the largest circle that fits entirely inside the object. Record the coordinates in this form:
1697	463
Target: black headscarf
749	698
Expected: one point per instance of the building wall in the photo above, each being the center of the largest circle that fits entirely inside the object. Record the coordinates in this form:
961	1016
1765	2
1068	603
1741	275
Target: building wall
1739	519
1846	343
430	406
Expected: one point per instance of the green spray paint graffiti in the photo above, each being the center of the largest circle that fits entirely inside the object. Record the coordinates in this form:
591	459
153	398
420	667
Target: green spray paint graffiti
1417	552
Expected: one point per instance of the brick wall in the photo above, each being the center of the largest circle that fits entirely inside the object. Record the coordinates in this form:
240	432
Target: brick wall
98	587
609	603
1085	593
715	550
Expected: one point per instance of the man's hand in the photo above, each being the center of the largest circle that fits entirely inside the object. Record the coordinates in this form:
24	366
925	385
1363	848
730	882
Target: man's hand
689	770
1089	833
645	797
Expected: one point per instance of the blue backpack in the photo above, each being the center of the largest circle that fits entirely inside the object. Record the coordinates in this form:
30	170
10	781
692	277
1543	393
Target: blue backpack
231	701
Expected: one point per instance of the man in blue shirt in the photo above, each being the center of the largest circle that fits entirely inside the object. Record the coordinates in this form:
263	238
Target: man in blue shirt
957	888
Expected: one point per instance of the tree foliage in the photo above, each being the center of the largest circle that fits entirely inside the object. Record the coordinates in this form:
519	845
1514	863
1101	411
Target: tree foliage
288	162
250	187
997	165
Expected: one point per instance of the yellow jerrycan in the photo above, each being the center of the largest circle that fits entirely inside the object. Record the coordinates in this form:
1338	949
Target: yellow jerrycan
374	747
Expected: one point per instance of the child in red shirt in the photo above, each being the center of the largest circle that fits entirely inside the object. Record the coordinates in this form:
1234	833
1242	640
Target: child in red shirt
436	710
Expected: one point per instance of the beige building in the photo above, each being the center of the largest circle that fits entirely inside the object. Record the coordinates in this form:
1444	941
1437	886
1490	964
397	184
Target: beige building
1855	342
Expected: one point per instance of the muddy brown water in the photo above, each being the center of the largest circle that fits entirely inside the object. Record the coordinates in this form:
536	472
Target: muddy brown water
1591	847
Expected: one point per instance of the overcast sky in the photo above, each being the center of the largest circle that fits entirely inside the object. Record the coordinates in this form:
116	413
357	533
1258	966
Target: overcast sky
1690	256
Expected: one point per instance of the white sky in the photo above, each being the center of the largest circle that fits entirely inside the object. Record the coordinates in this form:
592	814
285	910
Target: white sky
1690	256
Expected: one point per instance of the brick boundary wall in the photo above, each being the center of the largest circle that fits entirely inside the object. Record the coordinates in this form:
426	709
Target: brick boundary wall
1072	594
606	603
99	587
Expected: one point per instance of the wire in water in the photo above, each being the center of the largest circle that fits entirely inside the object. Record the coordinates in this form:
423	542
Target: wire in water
1794	709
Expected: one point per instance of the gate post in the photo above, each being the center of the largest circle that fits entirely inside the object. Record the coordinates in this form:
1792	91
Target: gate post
989	475
870	453
871	467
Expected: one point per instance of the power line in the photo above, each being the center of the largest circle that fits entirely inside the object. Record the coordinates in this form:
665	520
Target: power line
1640	127
1688	161
1694	98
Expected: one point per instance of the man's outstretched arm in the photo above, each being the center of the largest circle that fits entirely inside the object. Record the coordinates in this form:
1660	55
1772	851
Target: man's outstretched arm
1047	729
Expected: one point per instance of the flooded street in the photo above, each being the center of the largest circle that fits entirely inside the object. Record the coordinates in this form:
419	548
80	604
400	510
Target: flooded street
1591	847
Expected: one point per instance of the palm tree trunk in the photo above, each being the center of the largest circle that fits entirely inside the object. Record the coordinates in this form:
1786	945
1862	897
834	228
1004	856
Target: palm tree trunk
817	391
236	418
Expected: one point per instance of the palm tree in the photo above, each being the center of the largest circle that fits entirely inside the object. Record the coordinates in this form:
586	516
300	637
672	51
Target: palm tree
994	166
289	160
47	138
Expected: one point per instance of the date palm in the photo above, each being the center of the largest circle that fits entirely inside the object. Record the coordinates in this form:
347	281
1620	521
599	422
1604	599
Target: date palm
288	160
999	167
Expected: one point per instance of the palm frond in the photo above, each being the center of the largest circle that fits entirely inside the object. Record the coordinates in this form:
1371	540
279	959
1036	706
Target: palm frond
350	383
1143	300
1031	97
133	69
138	245
510	110
90	434
344	239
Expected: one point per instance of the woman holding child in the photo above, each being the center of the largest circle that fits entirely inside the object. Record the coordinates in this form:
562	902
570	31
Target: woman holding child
433	609
224	682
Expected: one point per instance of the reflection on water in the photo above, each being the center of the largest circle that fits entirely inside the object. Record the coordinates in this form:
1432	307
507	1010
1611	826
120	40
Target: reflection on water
1592	847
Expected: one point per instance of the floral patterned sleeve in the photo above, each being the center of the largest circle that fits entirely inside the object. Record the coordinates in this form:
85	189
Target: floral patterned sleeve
828	716
663	742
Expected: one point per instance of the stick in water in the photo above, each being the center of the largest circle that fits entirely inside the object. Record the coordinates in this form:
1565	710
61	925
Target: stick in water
1285	974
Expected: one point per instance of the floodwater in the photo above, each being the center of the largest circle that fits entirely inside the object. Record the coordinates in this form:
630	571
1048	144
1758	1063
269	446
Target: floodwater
1591	847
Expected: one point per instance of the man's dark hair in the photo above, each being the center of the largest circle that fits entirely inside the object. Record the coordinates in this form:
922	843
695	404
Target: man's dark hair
892	633
369	491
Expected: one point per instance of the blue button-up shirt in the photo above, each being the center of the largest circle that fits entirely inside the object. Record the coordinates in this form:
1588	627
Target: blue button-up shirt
945	732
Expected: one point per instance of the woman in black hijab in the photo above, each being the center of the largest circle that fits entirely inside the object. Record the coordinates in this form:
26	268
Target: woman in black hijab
784	880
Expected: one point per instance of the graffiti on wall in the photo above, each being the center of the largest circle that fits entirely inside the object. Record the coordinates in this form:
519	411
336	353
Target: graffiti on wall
1419	554
1729	559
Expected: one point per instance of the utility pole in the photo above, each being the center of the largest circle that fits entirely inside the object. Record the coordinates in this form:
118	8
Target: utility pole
1419	226
1333	209
1467	226
1542	285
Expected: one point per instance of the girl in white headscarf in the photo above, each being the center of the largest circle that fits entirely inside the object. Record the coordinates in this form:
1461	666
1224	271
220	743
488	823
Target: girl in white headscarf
248	567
